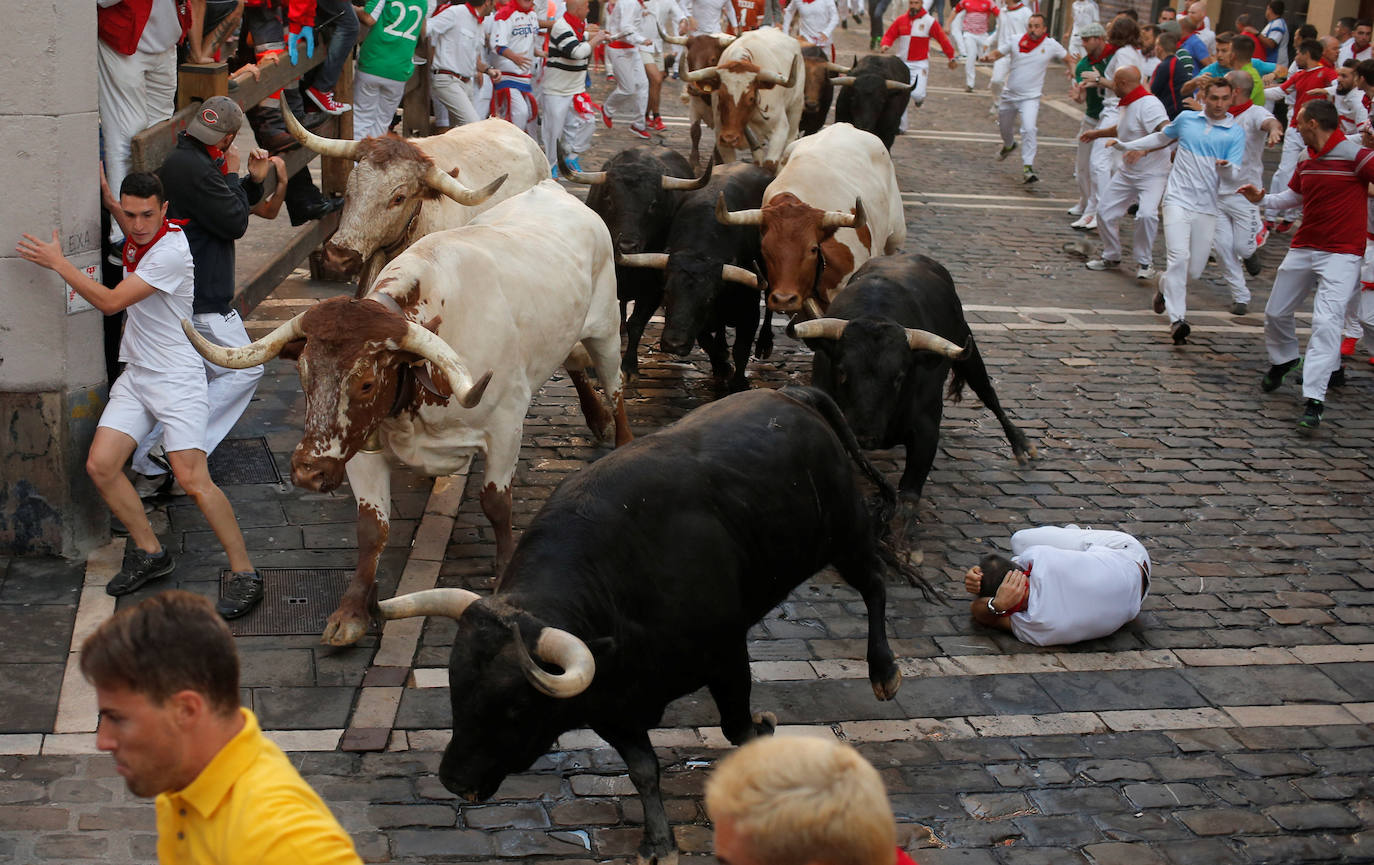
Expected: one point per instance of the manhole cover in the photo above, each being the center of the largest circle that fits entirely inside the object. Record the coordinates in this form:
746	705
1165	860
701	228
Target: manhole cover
243	461
295	601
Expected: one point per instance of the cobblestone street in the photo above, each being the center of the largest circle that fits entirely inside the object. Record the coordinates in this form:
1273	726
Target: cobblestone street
1231	722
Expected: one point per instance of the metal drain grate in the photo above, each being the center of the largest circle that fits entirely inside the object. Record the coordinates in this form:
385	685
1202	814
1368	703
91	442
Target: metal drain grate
243	461
295	601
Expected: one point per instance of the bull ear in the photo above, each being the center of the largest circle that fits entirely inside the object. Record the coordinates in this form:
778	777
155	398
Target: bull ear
433	324
292	350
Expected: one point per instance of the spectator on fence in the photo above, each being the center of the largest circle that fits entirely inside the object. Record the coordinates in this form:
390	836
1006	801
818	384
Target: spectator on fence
163	381
341	22
211	23
166	677
798	800
205	190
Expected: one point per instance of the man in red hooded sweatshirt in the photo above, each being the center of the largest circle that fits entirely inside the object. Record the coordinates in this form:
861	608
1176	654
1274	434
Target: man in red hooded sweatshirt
910	37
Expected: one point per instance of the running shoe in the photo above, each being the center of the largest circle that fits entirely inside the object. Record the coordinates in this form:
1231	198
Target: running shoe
1311	417
640	131
1028	175
656	122
241	595
1348	345
140	568
1278	373
1158	303
326	101
1252	264
1263	235
1087	222
1102	264
1076	210
1005	150
1282	226
1239	308
605	116
1146	271
1179	330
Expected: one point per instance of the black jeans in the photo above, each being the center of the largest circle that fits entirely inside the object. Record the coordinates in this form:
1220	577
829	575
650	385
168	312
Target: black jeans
338	17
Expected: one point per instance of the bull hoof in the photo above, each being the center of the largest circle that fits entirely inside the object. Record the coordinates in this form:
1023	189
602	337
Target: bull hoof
763	352
669	858
765	723
739	385
343	629
886	690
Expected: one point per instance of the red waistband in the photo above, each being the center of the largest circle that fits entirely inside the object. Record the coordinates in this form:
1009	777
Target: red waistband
619	43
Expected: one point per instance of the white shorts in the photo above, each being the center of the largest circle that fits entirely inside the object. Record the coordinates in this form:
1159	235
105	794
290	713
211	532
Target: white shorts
141	398
651	57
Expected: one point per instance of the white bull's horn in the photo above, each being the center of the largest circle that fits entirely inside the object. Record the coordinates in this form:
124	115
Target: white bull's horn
591	178
562	649
724	40
657	260
698	74
924	340
433	349
897	85
725	216
253	354
688	183
675	40
843	80
838	67
774	78
742	275
450	603
449	185
318	143
840	219
820	328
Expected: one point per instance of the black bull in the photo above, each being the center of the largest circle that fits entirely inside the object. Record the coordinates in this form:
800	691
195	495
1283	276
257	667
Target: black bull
660	557
890	392
873	96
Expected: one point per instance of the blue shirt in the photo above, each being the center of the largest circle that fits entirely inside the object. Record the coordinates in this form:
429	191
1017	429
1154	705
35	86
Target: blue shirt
1194	178
1278	31
1257	69
1196	47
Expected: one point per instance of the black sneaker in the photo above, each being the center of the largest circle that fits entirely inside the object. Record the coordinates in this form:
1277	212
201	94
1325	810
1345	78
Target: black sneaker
1337	378
241	595
1277	373
140	568
1311	417
1179	330
1252	264
1028	175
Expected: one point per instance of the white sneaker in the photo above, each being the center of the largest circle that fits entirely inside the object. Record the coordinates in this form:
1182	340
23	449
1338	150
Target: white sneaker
149	486
1088	222
1076	210
1102	264
1146	271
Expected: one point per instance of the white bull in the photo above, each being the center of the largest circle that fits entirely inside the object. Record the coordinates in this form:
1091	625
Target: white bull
834	205
757	94
388	375
402	189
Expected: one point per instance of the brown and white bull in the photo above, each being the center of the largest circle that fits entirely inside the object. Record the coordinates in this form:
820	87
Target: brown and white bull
834	205
756	89
391	375
402	189
701	52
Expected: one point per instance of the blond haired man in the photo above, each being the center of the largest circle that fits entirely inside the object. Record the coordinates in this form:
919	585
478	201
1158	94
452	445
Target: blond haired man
166	680
800	800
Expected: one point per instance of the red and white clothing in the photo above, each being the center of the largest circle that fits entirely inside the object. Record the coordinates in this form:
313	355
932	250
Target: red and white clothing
624	28
1021	96
1103	162
1012	24
909	36
565	80
975	34
1326	253
816	22
1140	183
707	14
1238	221
1294	150
456	34
1359	313
1352	109
1348	52
1082	583
515	31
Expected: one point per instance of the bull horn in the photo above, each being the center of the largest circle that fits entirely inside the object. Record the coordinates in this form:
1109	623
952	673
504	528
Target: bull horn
698	74
449	185
658	260
843	80
433	349
774	78
560	648
820	328
725	216
590	178
450	603
688	183
897	85
840	219
924	340
838	67
675	40
318	143
742	275
253	354
724	39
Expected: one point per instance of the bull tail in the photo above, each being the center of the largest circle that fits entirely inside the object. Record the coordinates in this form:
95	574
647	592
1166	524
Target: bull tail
955	392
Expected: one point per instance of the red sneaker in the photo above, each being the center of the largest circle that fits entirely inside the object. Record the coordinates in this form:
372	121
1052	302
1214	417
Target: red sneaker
640	131
1282	226
605	116
656	122
325	100
1348	345
1262	236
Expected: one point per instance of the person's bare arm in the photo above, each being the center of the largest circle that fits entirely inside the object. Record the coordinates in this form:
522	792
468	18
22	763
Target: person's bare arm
130	290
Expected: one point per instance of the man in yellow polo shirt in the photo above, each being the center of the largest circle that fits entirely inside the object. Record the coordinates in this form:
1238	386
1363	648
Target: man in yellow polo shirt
166	677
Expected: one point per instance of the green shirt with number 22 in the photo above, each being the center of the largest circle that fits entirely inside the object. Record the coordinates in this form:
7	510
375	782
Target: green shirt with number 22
390	45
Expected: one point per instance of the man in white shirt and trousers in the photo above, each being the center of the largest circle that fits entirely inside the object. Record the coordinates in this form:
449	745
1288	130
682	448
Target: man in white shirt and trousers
625	35
703	16
1030	54
816	22
457	37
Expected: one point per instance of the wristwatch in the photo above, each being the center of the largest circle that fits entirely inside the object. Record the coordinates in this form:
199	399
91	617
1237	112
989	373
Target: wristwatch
994	610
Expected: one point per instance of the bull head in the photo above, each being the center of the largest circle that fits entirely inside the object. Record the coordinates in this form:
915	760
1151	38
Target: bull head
659	261
916	340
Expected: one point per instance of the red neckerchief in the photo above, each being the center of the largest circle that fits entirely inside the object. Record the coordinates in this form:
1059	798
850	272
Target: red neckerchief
473	9
217	157
1336	138
1240	108
1027	44
1138	92
1107	52
133	253
1327	63
578	25
903	859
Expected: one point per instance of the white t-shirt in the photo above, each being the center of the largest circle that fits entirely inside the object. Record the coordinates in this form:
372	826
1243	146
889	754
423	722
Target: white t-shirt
707	14
153	338
457	38
163	29
1085	12
1351	108
515	31
1126	55
1138	119
1277	30
1079	591
1252	167
816	20
1012	24
1026	79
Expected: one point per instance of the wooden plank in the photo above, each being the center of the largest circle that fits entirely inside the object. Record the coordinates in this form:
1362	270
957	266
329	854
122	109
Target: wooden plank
196	83
262	283
334	170
275	76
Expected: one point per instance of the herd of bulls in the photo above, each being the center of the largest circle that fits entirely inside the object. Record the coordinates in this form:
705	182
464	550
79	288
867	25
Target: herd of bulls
638	580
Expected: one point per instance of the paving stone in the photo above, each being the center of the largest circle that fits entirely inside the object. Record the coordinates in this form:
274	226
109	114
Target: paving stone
1140	826
441	843
1040	774
401	816
1115	770
1122	854
1090	800
1127	689
1245	686
995	806
34	633
515	816
42	581
1207	851
1225	821
1288	849
313	708
1165	795
1315	815
1270	764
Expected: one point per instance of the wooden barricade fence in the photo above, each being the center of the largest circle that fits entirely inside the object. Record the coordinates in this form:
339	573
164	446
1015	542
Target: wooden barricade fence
196	83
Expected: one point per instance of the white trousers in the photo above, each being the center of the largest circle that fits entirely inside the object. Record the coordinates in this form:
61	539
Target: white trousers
1188	239
559	120
974	46
227	390
1104	162
630	99
1000	67
458	98
1082	169
1029	111
375	100
1238	226
1125	190
136	91
1360	314
919	71
1071	537
1294	151
1335	276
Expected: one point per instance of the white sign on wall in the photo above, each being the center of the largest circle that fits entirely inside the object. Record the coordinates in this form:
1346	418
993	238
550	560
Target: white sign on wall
89	264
